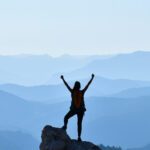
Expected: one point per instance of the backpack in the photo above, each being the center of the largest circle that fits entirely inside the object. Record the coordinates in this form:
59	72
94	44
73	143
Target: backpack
77	98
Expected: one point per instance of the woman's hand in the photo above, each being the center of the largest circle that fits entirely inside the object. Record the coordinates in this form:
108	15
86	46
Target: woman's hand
93	76
62	77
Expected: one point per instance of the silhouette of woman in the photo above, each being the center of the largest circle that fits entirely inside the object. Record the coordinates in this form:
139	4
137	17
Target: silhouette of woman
77	104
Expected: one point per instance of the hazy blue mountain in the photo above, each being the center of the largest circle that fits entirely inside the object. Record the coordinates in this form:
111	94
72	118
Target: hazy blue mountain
111	121
43	69
49	93
134	66
122	122
43	93
147	147
104	87
37	69
19	114
134	92
16	140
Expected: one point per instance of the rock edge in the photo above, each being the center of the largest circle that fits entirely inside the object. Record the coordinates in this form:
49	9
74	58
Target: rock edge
57	139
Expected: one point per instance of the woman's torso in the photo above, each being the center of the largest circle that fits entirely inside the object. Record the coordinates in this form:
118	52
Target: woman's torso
77	100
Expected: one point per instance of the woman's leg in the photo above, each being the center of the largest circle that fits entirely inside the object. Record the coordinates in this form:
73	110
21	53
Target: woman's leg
68	115
80	118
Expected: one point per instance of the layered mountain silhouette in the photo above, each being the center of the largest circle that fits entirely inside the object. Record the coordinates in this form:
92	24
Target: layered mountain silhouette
36	70
48	93
16	140
132	66
118	103
127	118
134	93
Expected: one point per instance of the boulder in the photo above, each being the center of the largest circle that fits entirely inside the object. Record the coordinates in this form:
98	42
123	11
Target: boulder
57	139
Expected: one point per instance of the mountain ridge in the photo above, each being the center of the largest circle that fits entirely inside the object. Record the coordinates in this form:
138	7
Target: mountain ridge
48	93
17	140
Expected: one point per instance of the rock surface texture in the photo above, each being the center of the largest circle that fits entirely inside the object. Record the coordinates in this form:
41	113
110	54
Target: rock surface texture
57	139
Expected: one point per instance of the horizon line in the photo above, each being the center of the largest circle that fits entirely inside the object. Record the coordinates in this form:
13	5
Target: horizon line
73	55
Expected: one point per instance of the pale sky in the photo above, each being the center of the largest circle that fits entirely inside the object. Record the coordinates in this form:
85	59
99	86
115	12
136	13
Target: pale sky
59	27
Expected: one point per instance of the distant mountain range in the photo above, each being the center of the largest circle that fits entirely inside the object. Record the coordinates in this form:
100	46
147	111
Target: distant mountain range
41	93
49	93
133	66
43	69
37	69
19	114
118	121
118	101
16	140
111	121
134	92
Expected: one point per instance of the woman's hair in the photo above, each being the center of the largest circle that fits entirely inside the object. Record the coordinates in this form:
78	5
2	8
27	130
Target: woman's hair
77	85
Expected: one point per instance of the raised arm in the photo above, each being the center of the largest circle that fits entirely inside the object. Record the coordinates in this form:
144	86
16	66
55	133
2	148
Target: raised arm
86	87
68	87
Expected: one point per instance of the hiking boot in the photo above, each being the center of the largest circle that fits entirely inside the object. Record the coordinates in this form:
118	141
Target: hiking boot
64	128
79	139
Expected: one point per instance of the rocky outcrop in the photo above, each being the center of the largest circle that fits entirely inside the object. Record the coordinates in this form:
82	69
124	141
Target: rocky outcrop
57	139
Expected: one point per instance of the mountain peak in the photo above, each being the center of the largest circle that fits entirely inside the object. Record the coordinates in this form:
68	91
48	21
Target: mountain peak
57	139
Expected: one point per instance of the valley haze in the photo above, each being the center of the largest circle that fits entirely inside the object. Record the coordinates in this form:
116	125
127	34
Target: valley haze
118	101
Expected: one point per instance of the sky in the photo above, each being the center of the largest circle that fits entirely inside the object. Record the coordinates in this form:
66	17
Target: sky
75	27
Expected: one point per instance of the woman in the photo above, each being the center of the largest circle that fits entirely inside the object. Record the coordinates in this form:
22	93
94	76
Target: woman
77	104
